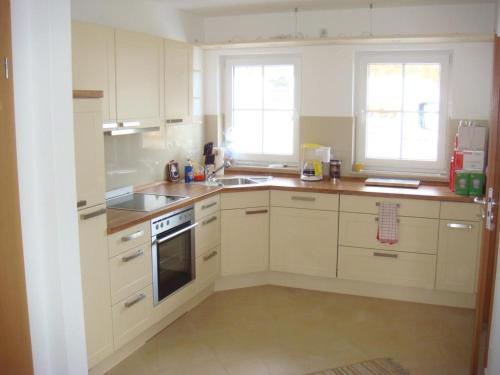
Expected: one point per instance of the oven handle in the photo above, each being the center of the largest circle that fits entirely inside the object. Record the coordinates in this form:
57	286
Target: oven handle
170	236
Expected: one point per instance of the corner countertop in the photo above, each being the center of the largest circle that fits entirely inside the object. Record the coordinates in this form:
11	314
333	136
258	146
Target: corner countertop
120	219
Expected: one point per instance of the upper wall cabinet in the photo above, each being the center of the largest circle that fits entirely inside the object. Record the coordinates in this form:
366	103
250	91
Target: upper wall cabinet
139	79
93	52
178	92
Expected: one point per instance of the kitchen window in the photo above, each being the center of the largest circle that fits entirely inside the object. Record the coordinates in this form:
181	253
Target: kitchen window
261	109
401	111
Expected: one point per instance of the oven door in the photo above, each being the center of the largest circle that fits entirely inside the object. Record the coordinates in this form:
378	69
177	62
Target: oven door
173	260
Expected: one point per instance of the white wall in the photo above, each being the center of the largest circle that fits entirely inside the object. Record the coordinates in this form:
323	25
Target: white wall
421	20
328	75
43	112
149	16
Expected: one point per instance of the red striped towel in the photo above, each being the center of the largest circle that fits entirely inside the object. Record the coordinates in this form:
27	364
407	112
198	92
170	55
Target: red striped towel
388	228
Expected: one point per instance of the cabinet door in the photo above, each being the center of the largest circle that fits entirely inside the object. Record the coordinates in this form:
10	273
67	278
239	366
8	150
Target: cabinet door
95	284
244	240
457	256
303	241
93	55
178	66
139	78
89	152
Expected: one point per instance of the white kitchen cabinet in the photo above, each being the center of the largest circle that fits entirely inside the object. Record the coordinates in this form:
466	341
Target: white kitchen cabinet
178	68
89	152
129	238
207	233
244	240
299	199
207	267
387	267
406	207
139	79
95	283
416	235
132	316
304	241
93	59
459	243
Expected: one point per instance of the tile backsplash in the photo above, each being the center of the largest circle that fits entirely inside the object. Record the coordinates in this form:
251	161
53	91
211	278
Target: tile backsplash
138	159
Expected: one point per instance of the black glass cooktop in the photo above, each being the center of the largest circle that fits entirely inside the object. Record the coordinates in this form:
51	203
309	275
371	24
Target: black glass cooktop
142	202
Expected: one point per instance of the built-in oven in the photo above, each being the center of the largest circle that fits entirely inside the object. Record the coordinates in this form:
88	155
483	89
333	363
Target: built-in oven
173	256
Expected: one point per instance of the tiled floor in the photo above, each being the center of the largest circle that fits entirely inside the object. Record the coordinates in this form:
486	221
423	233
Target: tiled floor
274	330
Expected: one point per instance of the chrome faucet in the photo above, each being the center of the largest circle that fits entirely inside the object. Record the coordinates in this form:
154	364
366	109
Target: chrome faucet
211	176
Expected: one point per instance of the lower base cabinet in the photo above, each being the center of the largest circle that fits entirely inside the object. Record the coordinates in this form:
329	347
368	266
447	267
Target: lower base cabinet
207	267
95	283
244	240
458	256
387	267
132	316
304	241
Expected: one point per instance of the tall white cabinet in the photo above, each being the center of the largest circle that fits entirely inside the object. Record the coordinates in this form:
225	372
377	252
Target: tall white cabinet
89	152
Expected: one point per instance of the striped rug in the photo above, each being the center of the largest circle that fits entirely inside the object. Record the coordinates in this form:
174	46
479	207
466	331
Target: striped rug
381	366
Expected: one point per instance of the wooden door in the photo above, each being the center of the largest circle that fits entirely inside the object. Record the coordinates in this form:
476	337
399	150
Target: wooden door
244	240
93	56
489	246
15	346
139	79
178	66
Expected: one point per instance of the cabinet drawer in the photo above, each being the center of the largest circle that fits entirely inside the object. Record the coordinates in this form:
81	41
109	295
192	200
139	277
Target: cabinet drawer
460	211
207	206
407	207
129	238
242	200
314	201
207	233
387	267
129	272
416	235
207	267
132	316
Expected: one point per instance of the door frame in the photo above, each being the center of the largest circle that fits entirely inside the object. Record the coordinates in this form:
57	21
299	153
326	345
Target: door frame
15	346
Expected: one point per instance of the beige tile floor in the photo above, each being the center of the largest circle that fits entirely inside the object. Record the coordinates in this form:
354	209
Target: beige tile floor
273	330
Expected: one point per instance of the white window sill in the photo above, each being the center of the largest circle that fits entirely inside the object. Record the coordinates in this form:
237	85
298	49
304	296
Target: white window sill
399	174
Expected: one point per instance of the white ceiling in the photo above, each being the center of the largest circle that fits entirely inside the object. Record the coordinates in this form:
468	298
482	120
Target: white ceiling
233	7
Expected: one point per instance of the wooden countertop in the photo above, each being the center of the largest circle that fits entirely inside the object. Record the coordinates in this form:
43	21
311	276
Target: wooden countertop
121	219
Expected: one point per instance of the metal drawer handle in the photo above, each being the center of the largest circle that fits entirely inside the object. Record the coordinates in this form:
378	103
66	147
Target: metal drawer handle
304	199
385	255
209	256
256	212
133	236
128	258
377	219
128	124
459	226
100	212
174	120
81	203
205	206
213	218
378	204
137	299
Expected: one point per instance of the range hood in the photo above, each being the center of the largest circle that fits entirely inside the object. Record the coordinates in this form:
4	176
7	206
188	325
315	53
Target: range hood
126	131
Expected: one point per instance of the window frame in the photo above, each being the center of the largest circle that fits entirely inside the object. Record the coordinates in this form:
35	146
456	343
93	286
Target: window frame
363	59
263	60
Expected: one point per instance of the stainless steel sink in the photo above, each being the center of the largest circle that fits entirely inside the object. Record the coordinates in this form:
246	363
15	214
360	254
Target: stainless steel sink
239	180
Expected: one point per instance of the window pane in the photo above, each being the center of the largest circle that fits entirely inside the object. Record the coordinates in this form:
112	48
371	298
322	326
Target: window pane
385	87
420	136
247	131
278	87
422	87
278	132
383	135
247	87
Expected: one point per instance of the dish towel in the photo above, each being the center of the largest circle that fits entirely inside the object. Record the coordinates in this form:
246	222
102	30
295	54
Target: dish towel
388	228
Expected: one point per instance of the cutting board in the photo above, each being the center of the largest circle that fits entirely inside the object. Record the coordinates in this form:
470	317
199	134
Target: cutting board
392	182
